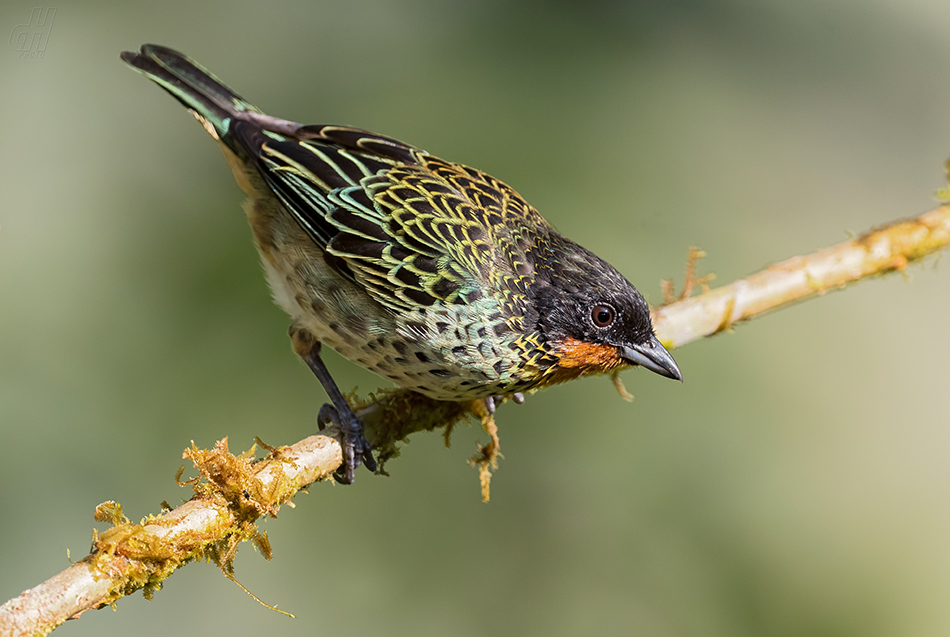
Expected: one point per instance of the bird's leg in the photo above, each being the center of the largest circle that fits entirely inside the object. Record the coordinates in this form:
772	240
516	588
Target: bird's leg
356	449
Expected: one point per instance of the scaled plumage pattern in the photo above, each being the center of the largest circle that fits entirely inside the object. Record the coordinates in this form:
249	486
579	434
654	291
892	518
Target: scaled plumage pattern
431	274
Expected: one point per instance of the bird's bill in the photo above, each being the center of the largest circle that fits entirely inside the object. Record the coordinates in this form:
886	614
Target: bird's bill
653	356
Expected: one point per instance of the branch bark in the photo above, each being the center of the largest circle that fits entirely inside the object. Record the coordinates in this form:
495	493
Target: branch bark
232	492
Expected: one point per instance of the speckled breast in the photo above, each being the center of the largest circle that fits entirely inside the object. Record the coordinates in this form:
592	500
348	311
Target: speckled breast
444	352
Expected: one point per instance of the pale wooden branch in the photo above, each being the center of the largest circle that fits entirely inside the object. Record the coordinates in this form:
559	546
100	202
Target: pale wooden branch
878	251
233	492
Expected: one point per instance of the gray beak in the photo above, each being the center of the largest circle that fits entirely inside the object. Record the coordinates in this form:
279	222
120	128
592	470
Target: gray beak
653	356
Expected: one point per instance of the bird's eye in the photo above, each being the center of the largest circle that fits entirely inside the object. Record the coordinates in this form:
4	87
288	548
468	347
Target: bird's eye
602	315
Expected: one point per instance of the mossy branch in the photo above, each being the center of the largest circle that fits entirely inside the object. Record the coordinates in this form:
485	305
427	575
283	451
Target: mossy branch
232	492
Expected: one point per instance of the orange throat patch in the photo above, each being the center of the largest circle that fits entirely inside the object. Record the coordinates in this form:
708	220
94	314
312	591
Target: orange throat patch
580	358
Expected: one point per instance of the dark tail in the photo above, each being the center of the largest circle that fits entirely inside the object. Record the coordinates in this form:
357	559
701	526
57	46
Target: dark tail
193	86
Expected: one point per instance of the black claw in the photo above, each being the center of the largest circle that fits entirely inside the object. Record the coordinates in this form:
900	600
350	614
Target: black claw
356	449
326	416
368	458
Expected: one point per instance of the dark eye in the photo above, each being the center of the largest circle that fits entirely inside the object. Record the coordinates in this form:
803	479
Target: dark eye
602	315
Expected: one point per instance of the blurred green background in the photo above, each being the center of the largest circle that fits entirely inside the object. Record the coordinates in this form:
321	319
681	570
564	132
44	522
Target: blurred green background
796	484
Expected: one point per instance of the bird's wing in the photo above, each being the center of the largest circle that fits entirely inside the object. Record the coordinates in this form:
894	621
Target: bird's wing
413	229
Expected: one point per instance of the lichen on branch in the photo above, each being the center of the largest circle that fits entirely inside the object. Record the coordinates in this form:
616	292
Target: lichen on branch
232	492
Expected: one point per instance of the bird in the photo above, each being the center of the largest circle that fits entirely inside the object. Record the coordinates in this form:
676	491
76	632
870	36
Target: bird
429	273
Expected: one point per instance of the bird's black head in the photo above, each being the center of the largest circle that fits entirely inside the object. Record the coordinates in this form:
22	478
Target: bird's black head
593	318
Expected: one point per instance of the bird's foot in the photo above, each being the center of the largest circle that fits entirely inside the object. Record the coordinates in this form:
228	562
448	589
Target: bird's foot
493	401
356	449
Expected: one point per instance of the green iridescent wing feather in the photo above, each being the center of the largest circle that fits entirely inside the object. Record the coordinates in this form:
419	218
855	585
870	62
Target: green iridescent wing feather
413	229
